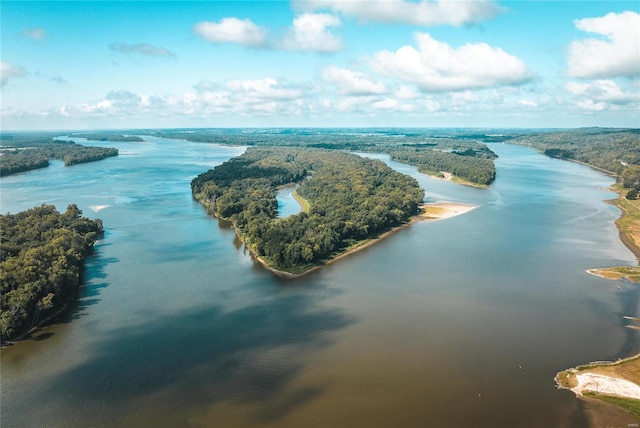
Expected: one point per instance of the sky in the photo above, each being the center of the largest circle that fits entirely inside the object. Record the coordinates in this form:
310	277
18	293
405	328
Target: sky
319	63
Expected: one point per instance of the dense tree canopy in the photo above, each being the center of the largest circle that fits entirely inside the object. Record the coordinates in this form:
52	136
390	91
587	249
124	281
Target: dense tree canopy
467	164
23	153
107	136
460	153
351	199
41	257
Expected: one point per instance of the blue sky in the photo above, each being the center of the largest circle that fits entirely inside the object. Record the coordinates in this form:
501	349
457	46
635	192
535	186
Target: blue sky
319	63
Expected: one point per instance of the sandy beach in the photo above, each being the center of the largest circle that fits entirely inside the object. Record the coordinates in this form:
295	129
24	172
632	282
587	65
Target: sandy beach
443	210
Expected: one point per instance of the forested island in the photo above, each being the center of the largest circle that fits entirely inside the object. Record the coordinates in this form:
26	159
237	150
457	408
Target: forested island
19	153
458	152
42	253
108	136
350	200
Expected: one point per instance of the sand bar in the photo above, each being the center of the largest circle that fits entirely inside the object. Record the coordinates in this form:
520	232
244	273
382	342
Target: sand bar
97	208
602	384
443	210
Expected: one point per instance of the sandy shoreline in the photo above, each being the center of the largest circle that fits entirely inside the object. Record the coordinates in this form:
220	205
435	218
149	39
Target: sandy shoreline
447	176
443	210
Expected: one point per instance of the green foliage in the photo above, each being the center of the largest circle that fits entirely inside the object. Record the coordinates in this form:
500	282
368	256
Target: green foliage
466	165
108	136
41	256
350	199
631	180
461	153
629	404
23	153
14	161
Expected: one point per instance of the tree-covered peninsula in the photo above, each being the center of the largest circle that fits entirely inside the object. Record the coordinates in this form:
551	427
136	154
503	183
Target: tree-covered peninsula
19	153
462	153
42	253
351	200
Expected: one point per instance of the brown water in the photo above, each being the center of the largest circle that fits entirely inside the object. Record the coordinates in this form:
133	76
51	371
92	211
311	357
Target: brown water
456	323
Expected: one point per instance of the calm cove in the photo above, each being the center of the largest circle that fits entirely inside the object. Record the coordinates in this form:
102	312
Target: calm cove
456	323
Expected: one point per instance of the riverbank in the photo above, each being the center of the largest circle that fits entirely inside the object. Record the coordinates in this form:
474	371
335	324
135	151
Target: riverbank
447	176
427	212
603	384
612	389
629	222
629	230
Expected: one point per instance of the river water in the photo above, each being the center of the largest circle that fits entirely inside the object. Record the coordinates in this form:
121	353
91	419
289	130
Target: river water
455	323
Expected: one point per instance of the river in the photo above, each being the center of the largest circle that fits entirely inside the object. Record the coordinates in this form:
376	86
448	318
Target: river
455	323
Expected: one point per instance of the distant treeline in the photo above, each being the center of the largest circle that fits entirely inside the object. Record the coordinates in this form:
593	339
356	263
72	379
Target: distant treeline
19	154
462	154
606	148
467	165
106	136
351	199
613	150
41	256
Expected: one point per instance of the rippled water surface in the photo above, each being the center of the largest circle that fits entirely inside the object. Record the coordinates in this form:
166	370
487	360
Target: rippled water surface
456	323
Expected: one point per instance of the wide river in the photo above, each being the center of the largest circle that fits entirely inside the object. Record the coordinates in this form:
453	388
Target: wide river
455	323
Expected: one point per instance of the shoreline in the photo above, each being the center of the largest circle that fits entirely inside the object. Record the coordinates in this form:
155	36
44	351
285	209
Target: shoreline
613	385
427	213
447	176
611	388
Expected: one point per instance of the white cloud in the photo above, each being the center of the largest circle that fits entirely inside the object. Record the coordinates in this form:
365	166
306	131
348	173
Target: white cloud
437	67
591	106
527	103
232	30
352	82
616	53
464	97
407	93
9	71
603	94
267	89
141	49
309	33
34	34
423	12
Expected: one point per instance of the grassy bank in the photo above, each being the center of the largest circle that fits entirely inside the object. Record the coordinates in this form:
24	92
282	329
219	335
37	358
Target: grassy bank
627	369
629	223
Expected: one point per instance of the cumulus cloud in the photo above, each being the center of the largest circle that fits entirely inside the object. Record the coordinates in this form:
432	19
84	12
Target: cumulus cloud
352	82
601	94
10	71
309	33
268	89
123	98
407	93
141	49
232	30
437	67
34	34
423	12
615	53
589	105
